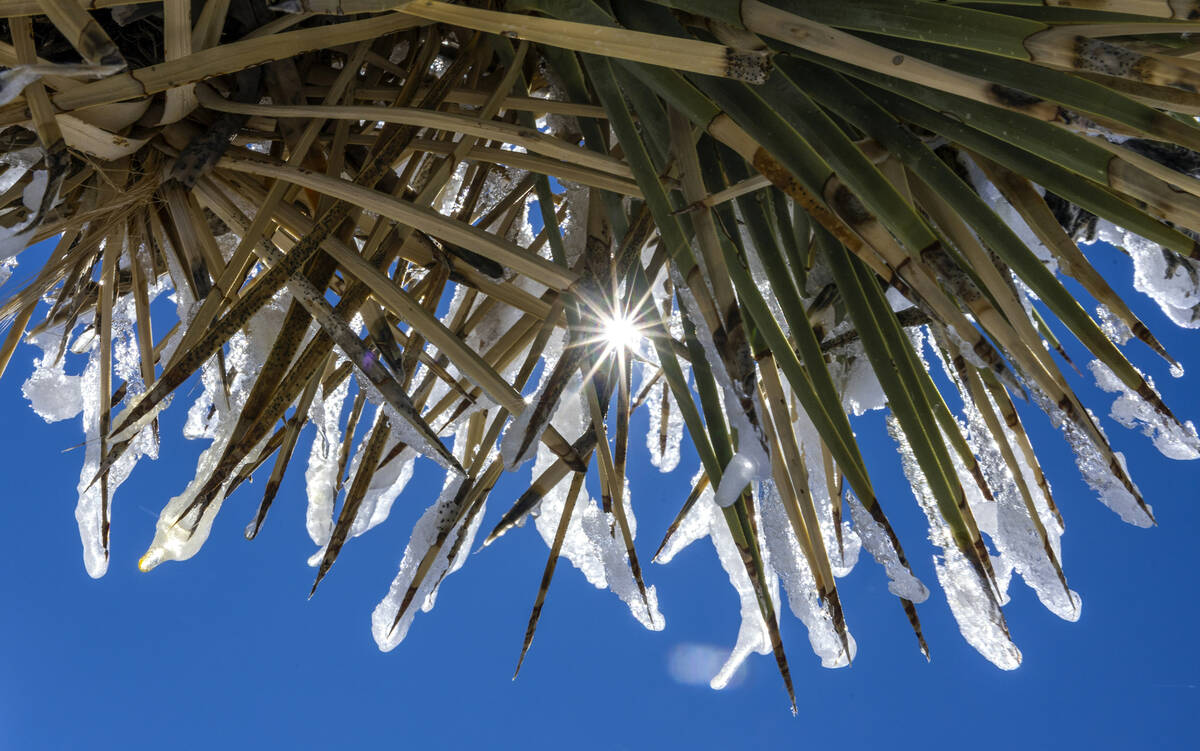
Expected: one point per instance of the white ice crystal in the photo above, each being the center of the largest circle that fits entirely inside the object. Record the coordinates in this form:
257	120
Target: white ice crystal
320	477
1169	279
991	194
852	371
1114	328
439	517
1173	439
663	454
7	266
785	556
52	393
739	472
842	544
183	527
875	539
750	443
1096	471
706	520
974	607
593	543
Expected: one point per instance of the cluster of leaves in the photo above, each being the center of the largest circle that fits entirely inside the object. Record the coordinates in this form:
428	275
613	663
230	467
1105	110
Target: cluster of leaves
770	192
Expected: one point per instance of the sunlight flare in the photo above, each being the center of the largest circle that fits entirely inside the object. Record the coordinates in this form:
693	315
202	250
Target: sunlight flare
620	332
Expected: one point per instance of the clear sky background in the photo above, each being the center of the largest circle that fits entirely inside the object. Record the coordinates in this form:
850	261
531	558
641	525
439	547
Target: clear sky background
225	651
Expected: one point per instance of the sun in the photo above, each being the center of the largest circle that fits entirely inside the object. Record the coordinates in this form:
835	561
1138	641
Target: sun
620	332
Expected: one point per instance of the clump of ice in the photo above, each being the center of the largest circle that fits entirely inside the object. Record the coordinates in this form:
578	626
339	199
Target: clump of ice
7	266
1014	527
18	163
438	520
31	196
1000	205
782	560
784	555
497	185
1168	278
750	438
56	395
400	426
1172	439
183	527
843	552
320	476
970	598
14	239
1095	469
1171	280
1114	328
707	520
739	472
852	371
514	435
593	544
574	228
386	485
666	458
901	581
52	393
759	274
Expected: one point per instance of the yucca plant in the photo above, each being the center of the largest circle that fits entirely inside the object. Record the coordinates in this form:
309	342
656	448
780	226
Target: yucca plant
486	233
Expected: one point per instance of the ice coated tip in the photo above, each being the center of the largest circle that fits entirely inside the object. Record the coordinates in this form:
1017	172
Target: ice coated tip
150	560
739	473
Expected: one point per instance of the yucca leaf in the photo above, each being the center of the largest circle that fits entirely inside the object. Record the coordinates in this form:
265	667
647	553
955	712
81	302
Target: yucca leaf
906	403
560	534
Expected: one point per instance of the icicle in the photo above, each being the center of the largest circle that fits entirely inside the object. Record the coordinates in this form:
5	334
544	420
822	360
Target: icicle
1007	520
386	485
1094	468
1169	279
1010	526
7	266
750	442
514	434
902	582
789	561
52	393
979	618
424	535
991	194
852	371
179	535
844	555
321	474
590	544
664	454
707	520
55	395
1114	328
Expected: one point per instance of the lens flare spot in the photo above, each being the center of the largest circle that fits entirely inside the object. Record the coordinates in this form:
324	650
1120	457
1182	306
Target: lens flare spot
621	332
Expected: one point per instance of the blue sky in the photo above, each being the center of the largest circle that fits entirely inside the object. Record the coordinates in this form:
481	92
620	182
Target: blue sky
226	649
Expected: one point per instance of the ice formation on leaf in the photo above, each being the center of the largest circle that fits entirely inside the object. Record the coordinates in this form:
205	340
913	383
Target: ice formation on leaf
970	596
1173	439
